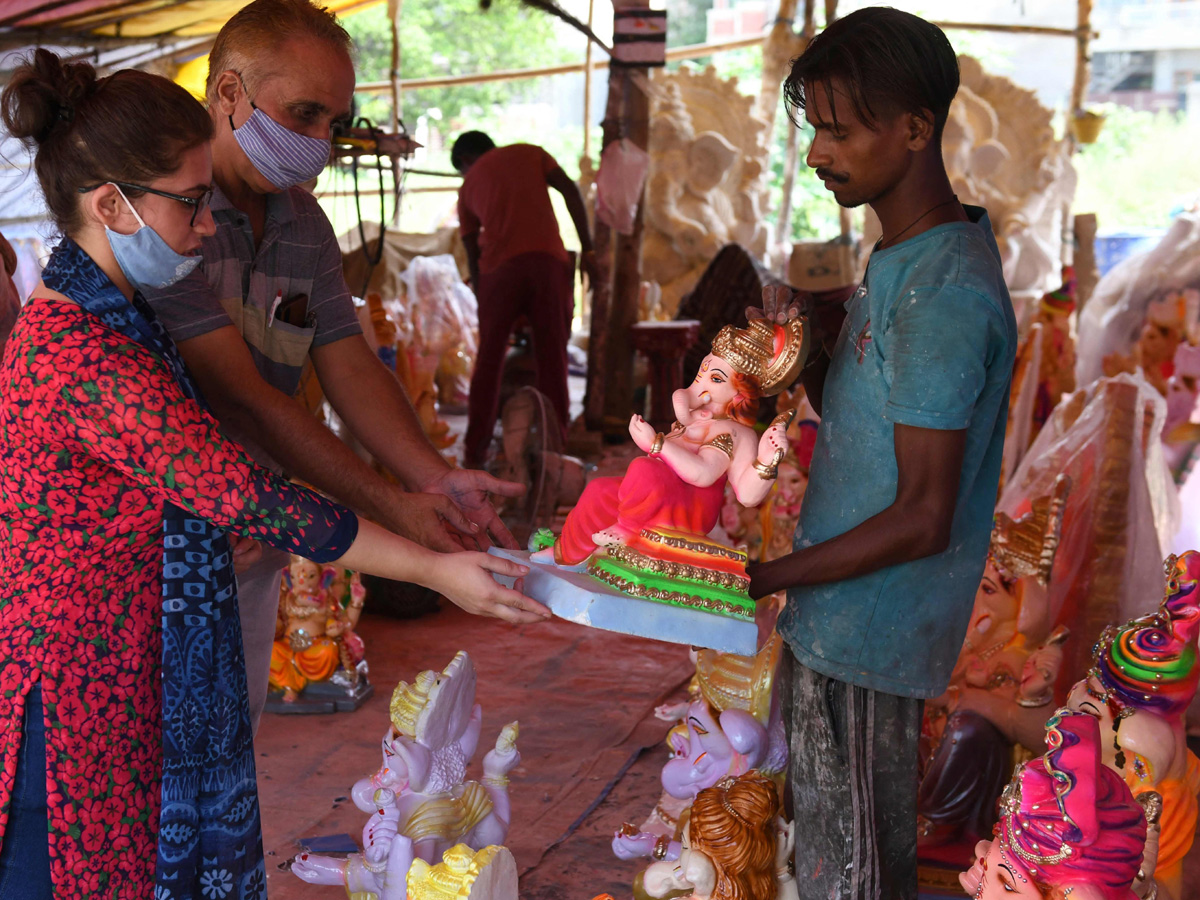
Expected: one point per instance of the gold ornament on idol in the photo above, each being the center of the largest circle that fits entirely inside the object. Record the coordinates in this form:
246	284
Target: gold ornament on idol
751	351
1025	548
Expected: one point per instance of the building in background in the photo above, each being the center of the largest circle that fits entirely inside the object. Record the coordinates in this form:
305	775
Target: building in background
1147	55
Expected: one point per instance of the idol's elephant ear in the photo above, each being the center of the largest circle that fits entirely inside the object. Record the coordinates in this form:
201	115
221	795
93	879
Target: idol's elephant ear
745	735
418	759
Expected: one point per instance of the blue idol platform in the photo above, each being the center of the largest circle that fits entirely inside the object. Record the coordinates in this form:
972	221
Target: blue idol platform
578	597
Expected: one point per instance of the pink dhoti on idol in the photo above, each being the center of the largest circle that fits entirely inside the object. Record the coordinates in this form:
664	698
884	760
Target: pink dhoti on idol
650	495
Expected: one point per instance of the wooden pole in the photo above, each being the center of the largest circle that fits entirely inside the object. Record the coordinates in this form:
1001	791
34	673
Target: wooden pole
627	271
394	16
791	157
587	88
594	399
1083	59
779	47
1079	88
394	81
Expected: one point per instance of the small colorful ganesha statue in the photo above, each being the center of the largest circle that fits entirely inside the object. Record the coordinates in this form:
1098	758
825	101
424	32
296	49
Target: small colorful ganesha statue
419	804
1002	687
1069	826
733	726
647	533
735	847
315	641
1143	679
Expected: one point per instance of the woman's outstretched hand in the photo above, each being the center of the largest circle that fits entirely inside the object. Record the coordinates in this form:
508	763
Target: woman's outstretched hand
466	581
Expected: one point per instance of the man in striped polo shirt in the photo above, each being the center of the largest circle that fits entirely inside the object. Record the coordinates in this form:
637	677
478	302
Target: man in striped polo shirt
270	295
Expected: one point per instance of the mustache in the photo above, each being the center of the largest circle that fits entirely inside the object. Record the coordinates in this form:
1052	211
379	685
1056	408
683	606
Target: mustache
830	175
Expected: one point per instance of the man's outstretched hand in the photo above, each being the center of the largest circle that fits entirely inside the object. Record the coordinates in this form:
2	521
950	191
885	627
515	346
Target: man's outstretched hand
469	489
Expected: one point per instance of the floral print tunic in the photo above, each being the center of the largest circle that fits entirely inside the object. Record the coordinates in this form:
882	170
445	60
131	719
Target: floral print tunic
95	435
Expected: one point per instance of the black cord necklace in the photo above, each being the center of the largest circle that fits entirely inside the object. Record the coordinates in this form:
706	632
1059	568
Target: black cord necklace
953	199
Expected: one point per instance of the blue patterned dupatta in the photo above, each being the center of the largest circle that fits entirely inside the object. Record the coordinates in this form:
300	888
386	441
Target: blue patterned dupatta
209	837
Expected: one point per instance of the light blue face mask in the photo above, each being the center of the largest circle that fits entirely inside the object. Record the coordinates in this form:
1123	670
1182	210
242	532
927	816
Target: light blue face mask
145	258
282	156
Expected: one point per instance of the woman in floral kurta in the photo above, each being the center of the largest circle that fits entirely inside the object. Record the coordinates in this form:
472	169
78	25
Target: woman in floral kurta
95	435
115	487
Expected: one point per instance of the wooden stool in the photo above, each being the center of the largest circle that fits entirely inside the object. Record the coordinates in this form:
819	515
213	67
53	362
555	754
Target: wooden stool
664	345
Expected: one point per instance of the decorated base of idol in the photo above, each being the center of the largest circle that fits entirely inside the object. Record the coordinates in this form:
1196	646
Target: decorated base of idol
636	554
686	589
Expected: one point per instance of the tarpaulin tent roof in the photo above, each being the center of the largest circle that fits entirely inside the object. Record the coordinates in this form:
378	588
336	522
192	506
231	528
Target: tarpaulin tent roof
130	20
116	33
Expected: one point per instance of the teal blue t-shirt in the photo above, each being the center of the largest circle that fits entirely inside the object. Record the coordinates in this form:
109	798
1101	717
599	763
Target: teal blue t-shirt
928	341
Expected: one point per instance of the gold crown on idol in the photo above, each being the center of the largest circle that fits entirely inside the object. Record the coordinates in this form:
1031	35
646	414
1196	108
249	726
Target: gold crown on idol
408	700
727	681
751	351
1026	547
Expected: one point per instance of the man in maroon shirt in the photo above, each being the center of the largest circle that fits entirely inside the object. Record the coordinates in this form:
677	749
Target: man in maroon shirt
519	267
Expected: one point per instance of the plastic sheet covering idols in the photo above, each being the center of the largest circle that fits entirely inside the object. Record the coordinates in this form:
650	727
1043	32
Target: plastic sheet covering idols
1121	515
1113	318
439	321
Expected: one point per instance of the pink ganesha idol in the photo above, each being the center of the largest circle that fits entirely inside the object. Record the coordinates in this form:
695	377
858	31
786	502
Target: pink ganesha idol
679	484
1069	827
645	536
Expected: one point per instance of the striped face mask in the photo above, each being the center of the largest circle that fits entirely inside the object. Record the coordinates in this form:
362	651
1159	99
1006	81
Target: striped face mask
282	156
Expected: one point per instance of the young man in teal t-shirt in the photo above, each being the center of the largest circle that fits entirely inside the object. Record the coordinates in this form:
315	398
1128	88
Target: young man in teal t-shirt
912	383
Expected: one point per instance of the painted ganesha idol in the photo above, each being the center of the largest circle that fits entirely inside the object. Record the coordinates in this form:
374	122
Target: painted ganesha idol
646	534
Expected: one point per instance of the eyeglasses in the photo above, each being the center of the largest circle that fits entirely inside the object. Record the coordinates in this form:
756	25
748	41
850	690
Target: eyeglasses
198	204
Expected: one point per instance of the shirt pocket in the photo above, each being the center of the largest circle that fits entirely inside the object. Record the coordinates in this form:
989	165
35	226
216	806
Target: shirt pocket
287	344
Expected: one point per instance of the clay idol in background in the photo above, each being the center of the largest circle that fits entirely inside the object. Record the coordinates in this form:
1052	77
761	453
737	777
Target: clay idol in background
1002	688
1139	688
1069	826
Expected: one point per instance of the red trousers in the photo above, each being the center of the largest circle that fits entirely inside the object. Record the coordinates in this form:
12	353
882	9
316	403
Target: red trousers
537	286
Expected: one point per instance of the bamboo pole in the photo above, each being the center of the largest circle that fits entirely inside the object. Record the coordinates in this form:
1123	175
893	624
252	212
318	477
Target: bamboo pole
691	51
587	87
1083	58
394	17
627	269
780	46
594	399
394	82
791	158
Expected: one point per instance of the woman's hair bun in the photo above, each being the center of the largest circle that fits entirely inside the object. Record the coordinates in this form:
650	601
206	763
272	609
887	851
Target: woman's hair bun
44	94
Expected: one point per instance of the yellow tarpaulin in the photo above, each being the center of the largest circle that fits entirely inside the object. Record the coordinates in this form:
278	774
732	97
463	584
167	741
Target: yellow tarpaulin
195	18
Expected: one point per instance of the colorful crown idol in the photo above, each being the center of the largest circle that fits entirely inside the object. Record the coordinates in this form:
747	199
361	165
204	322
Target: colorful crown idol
1150	663
1068	823
1061	300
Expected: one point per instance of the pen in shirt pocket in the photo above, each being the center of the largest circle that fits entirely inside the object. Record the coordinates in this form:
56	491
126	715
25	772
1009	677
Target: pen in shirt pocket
275	307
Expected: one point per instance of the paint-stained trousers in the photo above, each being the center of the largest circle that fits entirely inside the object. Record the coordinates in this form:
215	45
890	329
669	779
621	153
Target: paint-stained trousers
852	770
539	287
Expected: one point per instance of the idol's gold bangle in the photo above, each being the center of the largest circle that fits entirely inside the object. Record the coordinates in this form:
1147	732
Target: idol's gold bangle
660	847
766	472
656	447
